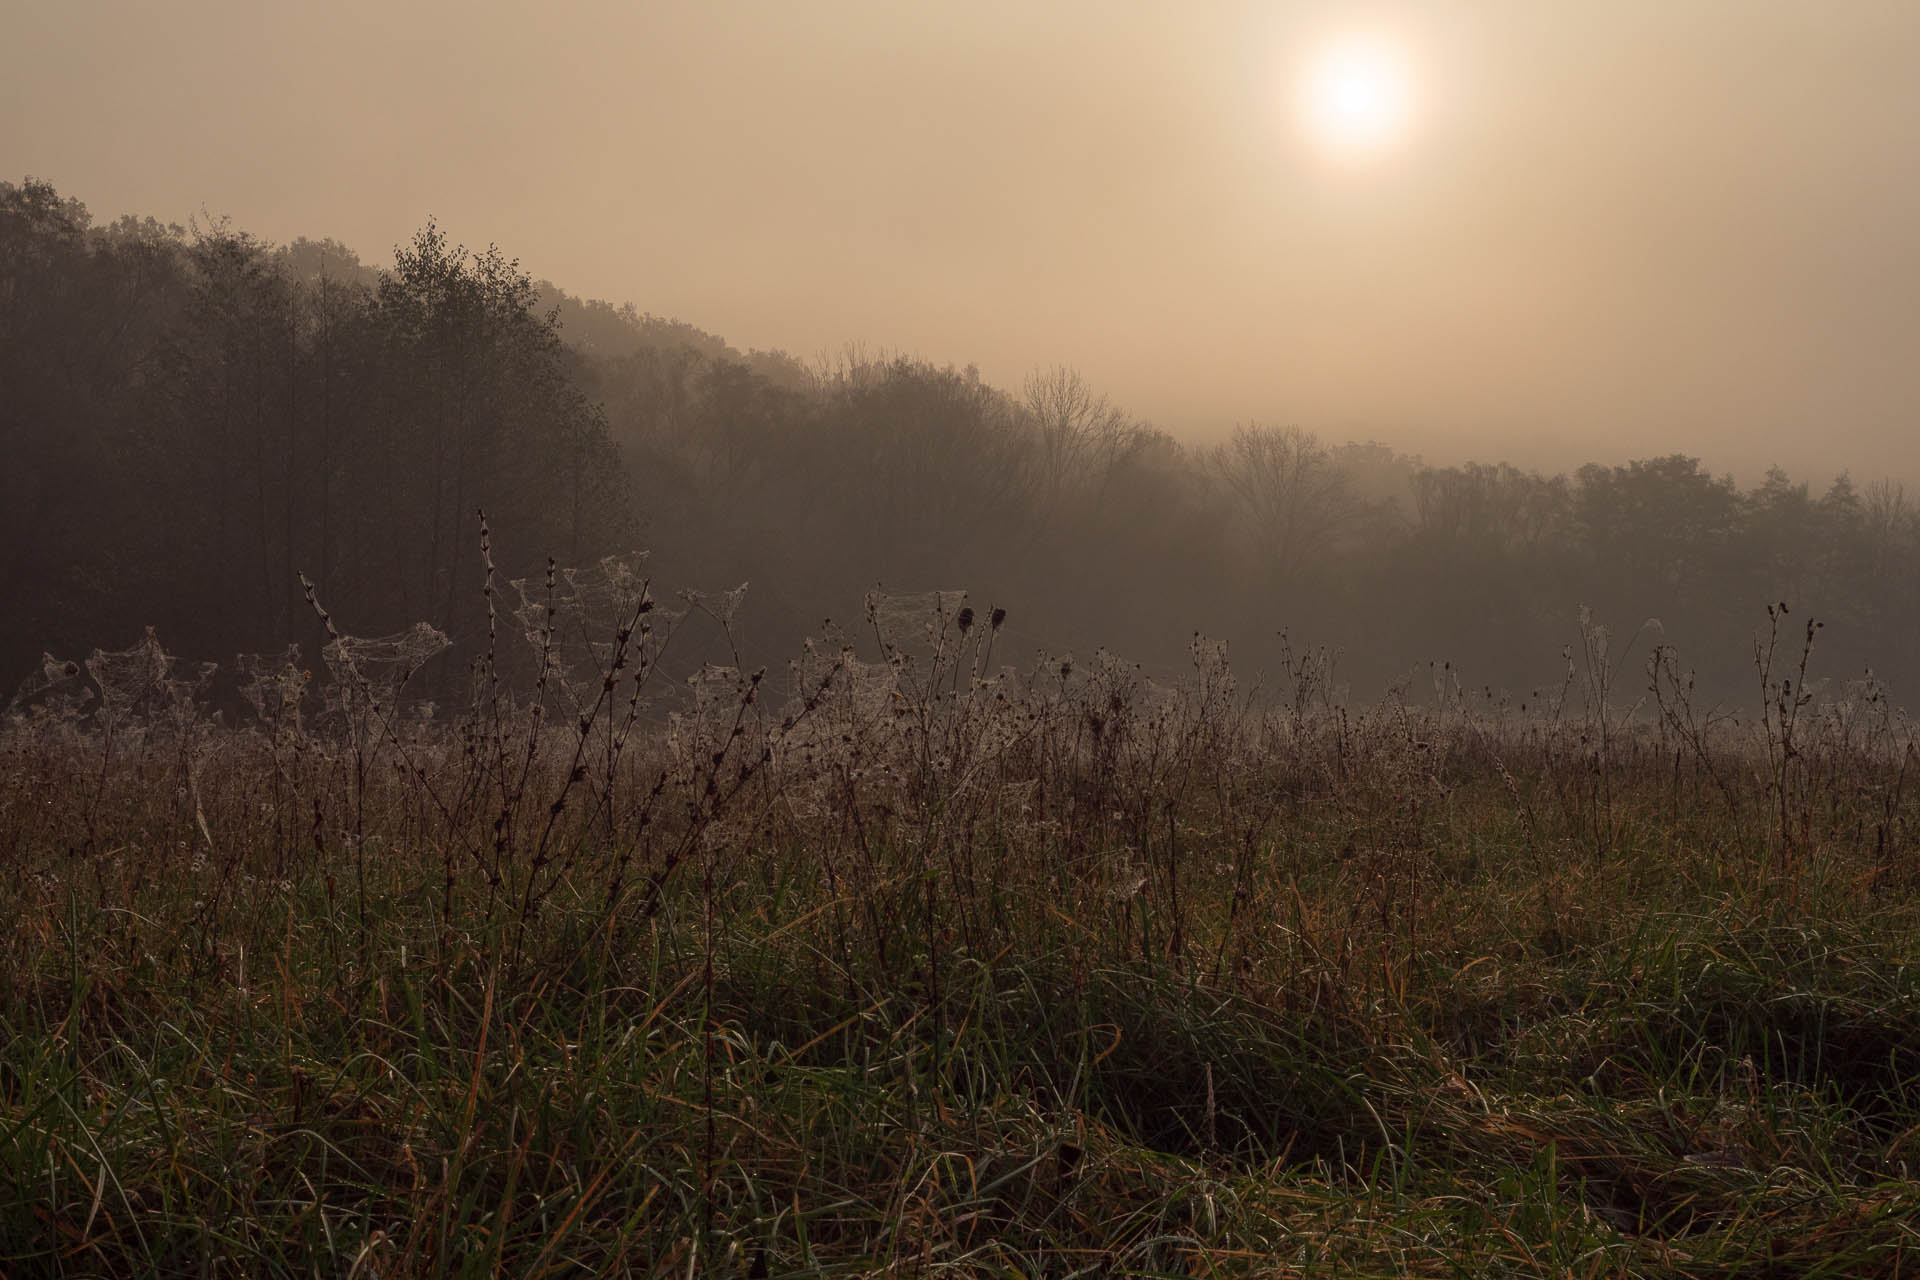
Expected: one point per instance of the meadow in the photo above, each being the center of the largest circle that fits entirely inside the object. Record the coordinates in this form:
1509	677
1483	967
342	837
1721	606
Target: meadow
922	957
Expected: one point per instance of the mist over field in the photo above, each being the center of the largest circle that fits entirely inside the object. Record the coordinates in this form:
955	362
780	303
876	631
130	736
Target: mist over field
198	417
1406	330
747	639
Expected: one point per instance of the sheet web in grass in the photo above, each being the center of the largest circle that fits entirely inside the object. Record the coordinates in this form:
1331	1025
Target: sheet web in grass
931	705
828	692
574	621
138	683
836	699
723	699
722	606
916	624
370	671
920	640
57	692
275	686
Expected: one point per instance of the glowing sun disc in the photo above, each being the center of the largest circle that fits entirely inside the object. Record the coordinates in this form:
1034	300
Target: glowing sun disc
1356	95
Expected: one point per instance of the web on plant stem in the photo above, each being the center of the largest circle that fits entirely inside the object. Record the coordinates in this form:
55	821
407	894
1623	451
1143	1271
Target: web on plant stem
57	691
138	684
370	671
721	606
904	621
274	686
573	623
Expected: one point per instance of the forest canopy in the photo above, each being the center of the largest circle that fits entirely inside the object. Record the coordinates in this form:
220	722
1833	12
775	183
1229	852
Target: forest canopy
194	419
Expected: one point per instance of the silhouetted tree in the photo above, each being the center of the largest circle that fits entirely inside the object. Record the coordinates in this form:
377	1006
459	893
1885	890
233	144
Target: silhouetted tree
1290	503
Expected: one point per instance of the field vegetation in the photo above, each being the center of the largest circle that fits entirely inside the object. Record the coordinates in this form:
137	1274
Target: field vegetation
919	956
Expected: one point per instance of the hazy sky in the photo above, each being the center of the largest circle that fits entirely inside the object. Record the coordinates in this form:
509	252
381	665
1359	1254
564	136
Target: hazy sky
1611	230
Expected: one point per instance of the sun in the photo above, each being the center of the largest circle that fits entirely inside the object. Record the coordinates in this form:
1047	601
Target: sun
1355	95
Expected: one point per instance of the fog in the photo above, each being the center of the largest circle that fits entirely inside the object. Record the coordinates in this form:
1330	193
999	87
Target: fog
1201	631
1415	334
1613	231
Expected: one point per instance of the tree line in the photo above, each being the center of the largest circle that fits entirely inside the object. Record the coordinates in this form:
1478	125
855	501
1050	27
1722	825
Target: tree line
195	420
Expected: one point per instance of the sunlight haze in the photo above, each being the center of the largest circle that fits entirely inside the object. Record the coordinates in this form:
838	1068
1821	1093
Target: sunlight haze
1355	94
1611	230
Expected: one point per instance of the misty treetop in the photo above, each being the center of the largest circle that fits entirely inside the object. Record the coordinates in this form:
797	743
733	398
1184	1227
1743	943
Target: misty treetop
195	419
202	423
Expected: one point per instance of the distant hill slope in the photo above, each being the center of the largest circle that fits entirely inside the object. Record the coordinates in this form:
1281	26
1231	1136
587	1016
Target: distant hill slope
601	331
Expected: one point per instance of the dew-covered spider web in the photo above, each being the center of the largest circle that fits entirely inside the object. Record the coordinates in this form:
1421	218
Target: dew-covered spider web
117	690
370	671
274	685
916	621
579	622
58	690
721	606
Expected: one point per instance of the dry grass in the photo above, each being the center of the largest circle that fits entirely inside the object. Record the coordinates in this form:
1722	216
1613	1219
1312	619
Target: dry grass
905	962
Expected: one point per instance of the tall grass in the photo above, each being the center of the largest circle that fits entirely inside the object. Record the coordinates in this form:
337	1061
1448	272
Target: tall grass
907	959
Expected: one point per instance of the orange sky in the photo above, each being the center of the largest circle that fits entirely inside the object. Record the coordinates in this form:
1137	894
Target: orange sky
1620	228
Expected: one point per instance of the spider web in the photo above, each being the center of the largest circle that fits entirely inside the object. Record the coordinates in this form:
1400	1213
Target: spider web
572	623
274	686
369	671
57	690
913	620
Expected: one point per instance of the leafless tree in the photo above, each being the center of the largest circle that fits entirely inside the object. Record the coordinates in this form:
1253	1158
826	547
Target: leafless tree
1290	500
1079	439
